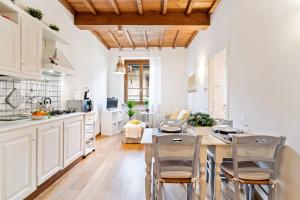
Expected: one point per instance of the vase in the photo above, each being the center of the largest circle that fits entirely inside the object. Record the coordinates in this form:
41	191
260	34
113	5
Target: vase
202	130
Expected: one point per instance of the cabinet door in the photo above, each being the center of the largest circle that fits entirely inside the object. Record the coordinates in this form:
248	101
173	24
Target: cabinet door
31	47
73	135
9	47
17	163
50	152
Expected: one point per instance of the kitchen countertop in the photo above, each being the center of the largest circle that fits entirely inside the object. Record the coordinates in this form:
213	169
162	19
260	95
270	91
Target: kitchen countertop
12	125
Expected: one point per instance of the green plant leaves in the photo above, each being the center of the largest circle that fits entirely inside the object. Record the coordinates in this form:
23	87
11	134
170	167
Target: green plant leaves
130	104
35	13
200	119
130	113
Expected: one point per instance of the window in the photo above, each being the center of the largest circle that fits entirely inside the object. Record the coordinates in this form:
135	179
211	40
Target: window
136	81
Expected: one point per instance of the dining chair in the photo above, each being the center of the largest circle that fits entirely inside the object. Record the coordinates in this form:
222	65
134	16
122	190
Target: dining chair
176	160
255	162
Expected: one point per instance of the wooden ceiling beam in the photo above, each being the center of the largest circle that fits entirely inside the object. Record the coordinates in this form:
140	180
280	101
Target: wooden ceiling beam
100	38
146	39
191	39
115	7
92	22
175	40
165	7
213	6
161	38
138	28
129	38
90	6
189	7
114	39
68	6
140	6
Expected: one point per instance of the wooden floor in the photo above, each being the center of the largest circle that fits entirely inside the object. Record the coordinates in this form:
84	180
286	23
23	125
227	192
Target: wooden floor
114	172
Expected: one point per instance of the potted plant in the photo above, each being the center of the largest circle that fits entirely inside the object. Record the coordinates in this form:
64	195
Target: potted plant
201	123
130	111
146	104
35	13
54	27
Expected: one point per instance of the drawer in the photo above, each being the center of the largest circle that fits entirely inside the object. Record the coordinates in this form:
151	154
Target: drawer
90	128
90	118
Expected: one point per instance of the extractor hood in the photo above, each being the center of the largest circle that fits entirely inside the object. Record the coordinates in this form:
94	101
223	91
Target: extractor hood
55	61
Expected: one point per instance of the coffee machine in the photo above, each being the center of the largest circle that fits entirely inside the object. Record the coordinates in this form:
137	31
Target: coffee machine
85	105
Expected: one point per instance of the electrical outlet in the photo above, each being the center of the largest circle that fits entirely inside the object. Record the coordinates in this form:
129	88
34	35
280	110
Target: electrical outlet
245	124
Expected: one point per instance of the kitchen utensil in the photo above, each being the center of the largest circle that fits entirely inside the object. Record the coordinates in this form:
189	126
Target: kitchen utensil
15	99
47	103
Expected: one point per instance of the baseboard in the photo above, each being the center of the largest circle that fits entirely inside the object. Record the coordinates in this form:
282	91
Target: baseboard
51	180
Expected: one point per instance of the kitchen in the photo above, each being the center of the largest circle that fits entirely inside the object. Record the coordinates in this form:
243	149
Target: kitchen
47	135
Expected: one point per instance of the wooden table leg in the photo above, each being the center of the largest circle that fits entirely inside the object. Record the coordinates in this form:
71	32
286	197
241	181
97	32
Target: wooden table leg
218	162
203	160
148	159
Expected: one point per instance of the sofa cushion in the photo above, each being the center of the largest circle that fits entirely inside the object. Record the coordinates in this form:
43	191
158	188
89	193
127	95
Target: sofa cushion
174	114
183	115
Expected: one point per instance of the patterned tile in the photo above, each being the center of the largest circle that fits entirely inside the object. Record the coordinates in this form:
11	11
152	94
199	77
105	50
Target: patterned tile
49	87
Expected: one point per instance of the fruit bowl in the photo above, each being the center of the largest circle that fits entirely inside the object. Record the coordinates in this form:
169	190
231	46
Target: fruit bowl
36	117
135	122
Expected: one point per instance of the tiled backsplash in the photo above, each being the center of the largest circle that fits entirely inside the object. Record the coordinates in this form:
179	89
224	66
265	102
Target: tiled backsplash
49	87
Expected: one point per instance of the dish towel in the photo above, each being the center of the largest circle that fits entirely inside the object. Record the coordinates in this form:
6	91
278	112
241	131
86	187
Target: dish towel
133	131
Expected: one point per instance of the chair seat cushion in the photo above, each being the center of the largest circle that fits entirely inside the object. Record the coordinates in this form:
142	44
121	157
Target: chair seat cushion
176	174
228	168
185	172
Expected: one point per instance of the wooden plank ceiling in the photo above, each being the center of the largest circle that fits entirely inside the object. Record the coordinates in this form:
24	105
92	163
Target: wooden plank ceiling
142	23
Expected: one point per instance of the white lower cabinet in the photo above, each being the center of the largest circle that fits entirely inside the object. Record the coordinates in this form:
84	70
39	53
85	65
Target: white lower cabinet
18	163
50	150
73	139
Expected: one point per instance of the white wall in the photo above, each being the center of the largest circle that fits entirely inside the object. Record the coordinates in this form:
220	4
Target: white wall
88	56
173	76
263	41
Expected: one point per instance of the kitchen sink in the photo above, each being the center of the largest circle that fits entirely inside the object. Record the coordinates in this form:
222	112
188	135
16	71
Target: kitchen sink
13	117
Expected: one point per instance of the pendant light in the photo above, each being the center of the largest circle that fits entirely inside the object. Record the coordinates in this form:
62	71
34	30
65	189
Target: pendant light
120	69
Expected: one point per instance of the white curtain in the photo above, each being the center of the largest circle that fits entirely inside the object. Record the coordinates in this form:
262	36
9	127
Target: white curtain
155	83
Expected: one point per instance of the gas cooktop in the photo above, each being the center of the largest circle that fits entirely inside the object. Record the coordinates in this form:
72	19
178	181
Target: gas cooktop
61	112
226	136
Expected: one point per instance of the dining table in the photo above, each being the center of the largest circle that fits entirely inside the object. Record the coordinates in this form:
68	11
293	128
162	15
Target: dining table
209	144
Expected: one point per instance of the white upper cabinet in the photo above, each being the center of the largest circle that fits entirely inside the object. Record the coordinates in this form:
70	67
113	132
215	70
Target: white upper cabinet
50	150
73	137
9	47
18	163
31	47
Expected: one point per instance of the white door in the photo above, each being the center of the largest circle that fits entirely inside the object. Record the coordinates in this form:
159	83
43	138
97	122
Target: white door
73	136
31	47
17	164
9	47
218	86
50	150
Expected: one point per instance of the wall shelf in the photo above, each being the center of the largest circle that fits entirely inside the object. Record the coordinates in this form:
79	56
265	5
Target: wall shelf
7	12
49	34
13	12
